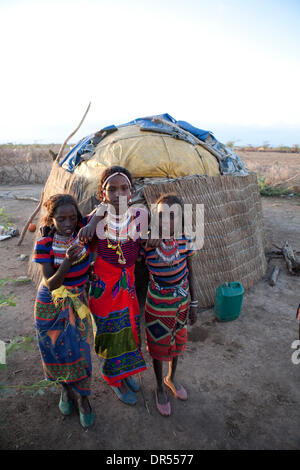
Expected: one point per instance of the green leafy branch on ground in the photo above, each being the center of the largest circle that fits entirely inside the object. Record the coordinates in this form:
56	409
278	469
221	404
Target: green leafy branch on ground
4	299
24	342
18	342
10	300
37	388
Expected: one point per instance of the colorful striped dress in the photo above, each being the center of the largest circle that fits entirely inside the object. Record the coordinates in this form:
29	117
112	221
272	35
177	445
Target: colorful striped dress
63	337
166	308
115	309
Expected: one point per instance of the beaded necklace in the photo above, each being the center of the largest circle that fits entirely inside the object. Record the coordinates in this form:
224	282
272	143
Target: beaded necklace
168	251
60	245
119	227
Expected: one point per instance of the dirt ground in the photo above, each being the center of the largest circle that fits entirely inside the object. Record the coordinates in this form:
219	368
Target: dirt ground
243	387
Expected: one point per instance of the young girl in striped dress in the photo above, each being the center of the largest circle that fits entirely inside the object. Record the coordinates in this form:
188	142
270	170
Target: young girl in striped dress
167	306
61	317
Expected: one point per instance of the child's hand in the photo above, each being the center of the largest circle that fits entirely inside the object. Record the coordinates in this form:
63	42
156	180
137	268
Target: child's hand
74	252
192	315
86	233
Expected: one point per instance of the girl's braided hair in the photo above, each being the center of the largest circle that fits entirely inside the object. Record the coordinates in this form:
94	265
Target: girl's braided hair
52	204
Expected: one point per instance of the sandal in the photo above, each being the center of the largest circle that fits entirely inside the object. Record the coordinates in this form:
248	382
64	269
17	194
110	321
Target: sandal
132	384
65	407
164	409
129	397
86	419
181	393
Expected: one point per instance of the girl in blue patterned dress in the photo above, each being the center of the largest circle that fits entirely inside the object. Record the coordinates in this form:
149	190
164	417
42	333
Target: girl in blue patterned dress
61	317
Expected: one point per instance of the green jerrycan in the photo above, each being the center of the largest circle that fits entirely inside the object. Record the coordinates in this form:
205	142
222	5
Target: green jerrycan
228	302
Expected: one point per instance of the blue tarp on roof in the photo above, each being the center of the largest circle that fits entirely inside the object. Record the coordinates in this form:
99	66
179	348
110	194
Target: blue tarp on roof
146	122
73	158
85	146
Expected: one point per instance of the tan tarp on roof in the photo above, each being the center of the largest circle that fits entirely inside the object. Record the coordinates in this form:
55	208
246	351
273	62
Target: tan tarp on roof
149	155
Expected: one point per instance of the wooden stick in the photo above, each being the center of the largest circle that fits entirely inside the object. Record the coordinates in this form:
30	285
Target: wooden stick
285	181
20	198
278	247
145	401
274	276
274	253
29	198
30	219
62	148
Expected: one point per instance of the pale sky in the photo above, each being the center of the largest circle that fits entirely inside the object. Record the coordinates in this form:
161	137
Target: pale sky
229	66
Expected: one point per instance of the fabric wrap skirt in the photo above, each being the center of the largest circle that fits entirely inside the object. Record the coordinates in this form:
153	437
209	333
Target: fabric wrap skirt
63	340
116	317
166	314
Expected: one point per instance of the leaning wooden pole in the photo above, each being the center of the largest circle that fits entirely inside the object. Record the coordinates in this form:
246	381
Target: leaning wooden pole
62	148
59	155
35	212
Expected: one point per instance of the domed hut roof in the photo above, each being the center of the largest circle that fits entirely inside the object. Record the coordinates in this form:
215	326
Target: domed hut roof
165	155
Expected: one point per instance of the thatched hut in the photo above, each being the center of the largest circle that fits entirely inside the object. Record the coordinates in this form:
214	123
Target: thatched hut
165	155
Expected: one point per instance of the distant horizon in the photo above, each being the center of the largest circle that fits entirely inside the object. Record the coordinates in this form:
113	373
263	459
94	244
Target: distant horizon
240	136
